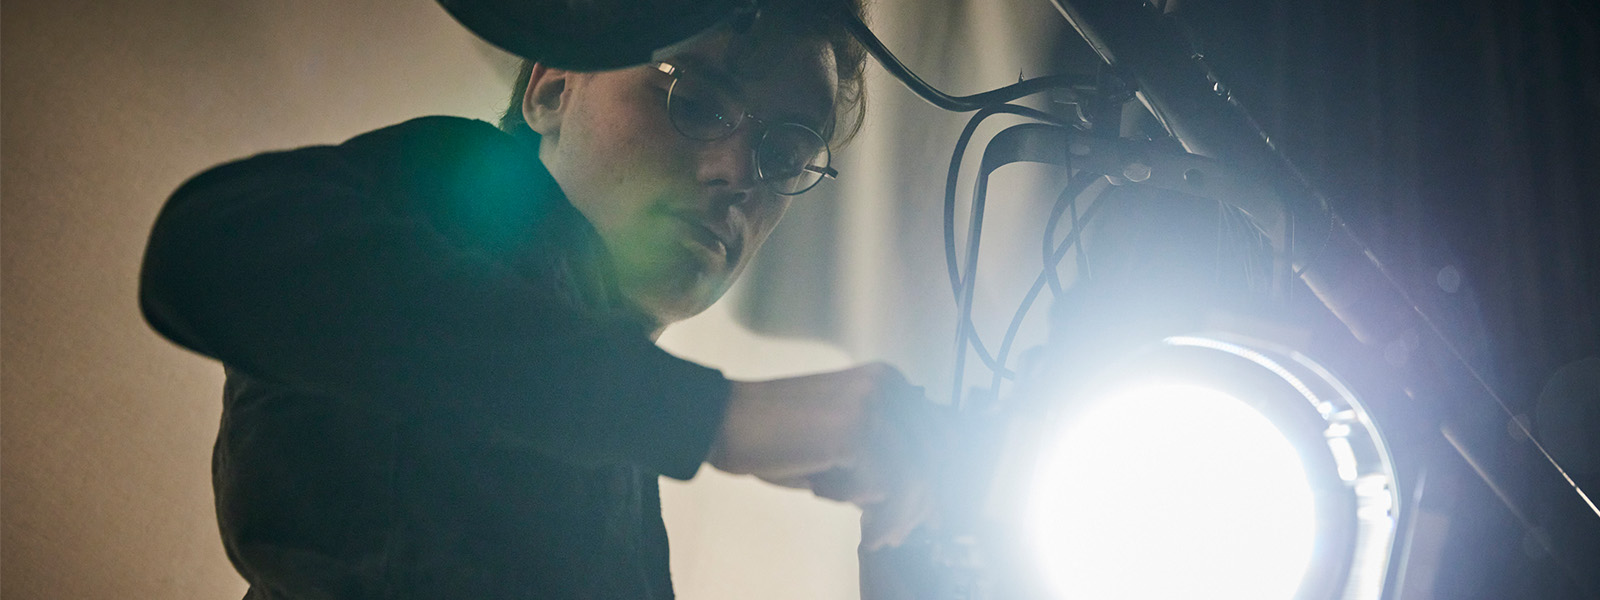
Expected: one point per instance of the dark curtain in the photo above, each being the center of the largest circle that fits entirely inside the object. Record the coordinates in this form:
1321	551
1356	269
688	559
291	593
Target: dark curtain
1451	134
1462	141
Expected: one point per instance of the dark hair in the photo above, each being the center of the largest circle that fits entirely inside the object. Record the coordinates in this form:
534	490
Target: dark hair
806	20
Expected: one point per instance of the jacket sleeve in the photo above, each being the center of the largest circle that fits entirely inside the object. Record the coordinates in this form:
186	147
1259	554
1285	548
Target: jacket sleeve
292	267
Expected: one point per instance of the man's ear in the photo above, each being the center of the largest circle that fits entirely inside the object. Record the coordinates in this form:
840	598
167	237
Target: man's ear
545	101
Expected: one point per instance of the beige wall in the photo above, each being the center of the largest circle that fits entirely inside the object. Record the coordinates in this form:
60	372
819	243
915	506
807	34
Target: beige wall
108	106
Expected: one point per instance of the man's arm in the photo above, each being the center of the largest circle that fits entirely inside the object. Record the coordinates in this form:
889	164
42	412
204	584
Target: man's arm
290	268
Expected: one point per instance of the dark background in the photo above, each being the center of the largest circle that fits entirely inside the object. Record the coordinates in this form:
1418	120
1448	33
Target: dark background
1446	133
1456	138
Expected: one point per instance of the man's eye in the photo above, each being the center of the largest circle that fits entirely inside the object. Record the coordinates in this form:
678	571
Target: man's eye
697	110
781	163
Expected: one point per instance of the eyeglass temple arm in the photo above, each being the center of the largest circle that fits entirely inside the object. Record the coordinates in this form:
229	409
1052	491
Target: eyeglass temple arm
829	172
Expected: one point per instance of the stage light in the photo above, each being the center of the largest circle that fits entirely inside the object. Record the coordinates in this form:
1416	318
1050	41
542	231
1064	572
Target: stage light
1211	467
1169	491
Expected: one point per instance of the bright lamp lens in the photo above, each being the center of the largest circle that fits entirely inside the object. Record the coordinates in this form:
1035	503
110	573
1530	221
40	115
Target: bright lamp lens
1173	491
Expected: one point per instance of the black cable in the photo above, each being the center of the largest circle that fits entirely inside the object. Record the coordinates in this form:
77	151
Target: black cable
1068	198
1077	187
978	101
1019	141
965	332
1081	257
955	170
988	103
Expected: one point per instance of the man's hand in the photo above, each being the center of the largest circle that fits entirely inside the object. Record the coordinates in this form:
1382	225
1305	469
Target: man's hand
842	436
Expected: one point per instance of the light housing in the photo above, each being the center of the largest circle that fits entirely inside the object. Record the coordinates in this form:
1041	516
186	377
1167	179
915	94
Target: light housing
1214	399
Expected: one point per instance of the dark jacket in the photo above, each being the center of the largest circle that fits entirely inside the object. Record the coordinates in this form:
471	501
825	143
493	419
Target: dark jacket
434	388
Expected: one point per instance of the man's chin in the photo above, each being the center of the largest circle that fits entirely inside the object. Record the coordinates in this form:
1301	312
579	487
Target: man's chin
670	300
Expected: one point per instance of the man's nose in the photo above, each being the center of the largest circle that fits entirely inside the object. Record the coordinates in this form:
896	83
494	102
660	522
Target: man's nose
730	163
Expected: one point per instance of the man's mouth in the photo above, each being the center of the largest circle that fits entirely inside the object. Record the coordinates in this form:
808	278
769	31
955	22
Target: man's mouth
721	244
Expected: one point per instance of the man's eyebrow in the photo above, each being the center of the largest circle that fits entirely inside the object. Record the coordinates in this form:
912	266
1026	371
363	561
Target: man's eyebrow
702	68
814	112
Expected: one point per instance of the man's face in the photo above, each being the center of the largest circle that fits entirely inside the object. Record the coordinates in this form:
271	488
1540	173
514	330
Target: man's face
682	217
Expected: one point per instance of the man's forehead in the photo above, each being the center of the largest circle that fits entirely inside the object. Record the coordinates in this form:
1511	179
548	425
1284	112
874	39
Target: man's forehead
799	73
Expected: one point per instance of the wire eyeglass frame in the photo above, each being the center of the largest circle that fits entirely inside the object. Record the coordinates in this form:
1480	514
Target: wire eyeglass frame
806	150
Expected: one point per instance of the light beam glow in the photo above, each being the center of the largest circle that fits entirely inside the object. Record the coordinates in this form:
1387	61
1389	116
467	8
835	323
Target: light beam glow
1173	491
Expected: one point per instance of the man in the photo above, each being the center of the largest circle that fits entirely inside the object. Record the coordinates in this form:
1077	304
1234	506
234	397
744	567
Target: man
438	336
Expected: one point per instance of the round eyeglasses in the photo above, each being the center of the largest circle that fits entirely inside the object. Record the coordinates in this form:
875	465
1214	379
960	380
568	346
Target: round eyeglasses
790	158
